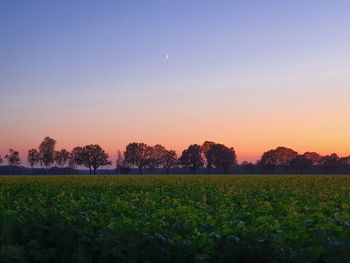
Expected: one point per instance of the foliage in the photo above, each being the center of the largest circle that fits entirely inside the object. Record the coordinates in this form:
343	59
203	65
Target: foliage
137	155
156	156
169	160
93	157
76	157
206	146
175	219
61	157
301	163
314	157
221	157
13	158
33	157
279	157
192	158
47	152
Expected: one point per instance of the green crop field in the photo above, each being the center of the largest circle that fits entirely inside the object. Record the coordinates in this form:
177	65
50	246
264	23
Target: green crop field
175	219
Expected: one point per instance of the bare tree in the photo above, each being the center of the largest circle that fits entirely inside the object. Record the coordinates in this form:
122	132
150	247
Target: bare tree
47	152
13	158
61	157
192	158
33	157
137	155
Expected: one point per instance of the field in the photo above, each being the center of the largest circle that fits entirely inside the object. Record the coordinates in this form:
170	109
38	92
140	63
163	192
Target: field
175	219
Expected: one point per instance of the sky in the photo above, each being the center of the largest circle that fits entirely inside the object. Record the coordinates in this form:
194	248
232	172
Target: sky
249	74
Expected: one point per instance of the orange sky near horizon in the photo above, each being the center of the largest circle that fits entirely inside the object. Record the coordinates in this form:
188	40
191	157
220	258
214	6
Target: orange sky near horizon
251	124
303	128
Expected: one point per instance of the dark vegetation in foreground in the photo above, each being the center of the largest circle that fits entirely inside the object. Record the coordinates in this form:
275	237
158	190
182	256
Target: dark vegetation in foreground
175	219
208	158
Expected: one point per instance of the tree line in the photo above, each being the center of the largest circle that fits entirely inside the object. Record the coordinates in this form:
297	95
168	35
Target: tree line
211	156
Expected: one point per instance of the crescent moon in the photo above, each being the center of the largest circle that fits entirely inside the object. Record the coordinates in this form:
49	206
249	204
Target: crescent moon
166	57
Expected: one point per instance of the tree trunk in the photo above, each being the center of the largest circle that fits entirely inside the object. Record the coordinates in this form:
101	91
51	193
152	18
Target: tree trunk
140	169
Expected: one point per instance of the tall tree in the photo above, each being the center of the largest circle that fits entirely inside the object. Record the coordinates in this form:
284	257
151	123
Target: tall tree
330	162
75	158
192	158
156	158
61	157
137	155
207	145
33	157
314	157
13	158
301	163
93	157
47	152
221	157
344	163
169	160
279	157
345	160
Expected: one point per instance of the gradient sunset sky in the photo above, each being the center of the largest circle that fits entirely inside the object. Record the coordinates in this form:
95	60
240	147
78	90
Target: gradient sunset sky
250	74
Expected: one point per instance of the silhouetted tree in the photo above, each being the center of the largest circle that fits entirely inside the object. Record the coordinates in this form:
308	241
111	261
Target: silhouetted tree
47	152
137	155
344	163
155	159
1	160
207	145
192	158
169	160
330	162
33	157
279	157
160	157
314	157
75	158
61	157
93	157
300	163
345	160
221	157
13	158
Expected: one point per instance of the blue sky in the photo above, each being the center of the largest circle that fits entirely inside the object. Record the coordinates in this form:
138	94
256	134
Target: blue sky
229	62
